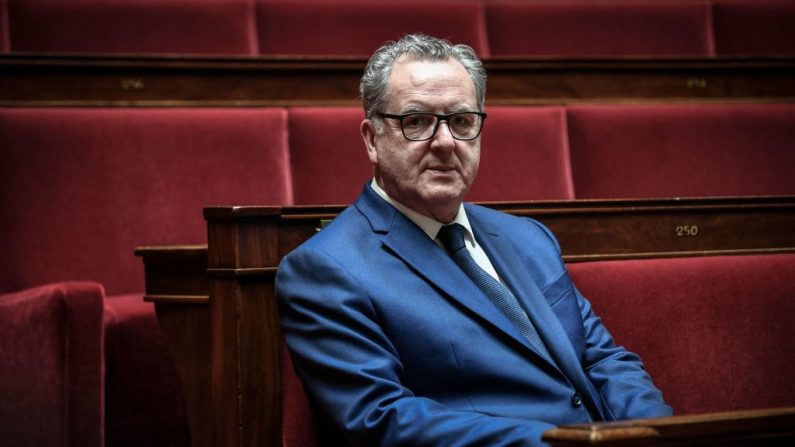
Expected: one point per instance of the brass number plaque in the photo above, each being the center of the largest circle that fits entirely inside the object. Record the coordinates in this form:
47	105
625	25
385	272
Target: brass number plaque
687	231
132	84
696	83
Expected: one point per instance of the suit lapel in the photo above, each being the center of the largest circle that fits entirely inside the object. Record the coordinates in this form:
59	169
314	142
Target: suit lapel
408	242
509	265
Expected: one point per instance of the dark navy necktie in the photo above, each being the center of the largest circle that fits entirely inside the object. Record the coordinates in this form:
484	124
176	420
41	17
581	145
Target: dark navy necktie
452	237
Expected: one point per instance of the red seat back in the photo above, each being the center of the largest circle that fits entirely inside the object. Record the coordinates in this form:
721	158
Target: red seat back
81	188
754	27
4	44
357	28
327	155
604	28
524	156
682	150
133	26
715	333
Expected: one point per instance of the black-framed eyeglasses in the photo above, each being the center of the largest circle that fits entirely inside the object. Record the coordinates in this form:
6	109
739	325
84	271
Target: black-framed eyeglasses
421	126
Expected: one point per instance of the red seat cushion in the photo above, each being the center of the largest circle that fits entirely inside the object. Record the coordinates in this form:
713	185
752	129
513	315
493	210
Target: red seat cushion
358	28
715	333
682	150
604	28
754	27
133	26
144	400
51	372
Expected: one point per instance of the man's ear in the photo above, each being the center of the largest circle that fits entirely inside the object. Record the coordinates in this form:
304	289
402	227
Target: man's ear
367	129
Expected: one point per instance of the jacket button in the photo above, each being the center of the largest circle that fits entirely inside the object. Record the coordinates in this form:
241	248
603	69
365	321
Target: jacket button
576	399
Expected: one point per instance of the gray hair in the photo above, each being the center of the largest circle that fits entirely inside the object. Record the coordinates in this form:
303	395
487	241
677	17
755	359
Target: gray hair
374	82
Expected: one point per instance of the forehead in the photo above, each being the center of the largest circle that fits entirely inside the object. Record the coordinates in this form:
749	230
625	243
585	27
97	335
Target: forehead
425	83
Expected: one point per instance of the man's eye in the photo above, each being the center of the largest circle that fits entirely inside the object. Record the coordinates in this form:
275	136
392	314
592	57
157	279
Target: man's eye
461	120
417	121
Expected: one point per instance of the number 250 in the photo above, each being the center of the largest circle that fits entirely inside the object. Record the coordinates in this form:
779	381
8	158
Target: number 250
687	230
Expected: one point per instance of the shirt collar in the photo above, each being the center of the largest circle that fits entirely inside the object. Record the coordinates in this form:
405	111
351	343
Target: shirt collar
428	225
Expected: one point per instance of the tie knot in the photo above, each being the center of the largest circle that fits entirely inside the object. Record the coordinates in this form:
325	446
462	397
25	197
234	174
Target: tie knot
452	237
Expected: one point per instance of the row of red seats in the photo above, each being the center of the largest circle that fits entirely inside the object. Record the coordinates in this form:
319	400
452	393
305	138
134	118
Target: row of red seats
577	152
714	332
81	187
661	28
86	186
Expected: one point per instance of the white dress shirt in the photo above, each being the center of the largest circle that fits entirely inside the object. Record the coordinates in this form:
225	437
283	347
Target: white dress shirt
431	227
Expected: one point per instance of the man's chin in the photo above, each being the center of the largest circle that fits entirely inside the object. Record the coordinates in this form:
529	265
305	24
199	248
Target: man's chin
446	194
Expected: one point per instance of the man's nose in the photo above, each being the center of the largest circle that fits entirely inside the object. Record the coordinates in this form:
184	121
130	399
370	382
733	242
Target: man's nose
443	139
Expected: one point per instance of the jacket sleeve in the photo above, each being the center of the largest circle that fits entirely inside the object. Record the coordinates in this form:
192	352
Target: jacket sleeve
622	382
618	375
353	373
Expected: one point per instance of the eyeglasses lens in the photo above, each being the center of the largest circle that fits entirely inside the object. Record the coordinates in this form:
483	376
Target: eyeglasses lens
421	126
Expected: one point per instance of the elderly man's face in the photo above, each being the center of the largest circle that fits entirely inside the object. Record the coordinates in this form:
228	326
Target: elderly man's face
430	176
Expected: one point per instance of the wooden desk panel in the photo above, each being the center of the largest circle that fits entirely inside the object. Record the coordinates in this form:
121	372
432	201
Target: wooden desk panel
91	80
217	307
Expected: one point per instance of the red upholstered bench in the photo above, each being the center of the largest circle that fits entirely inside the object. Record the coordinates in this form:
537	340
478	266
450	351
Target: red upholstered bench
51	365
357	28
715	333
604	28
81	188
132	26
754	27
682	150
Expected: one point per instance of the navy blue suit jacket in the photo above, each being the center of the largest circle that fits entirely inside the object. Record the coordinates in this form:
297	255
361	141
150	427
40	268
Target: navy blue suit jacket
397	346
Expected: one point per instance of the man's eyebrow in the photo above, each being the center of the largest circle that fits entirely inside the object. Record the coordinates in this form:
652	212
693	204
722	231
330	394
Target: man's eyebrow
420	109
414	109
463	108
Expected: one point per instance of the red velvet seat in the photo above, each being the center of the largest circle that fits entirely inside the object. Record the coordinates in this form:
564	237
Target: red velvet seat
51	366
327	155
144	404
754	27
298	418
81	188
605	28
682	150
4	44
133	26
524	156
715	333
357	28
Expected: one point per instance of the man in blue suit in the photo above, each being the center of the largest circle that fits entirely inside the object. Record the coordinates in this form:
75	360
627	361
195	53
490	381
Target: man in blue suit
398	339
